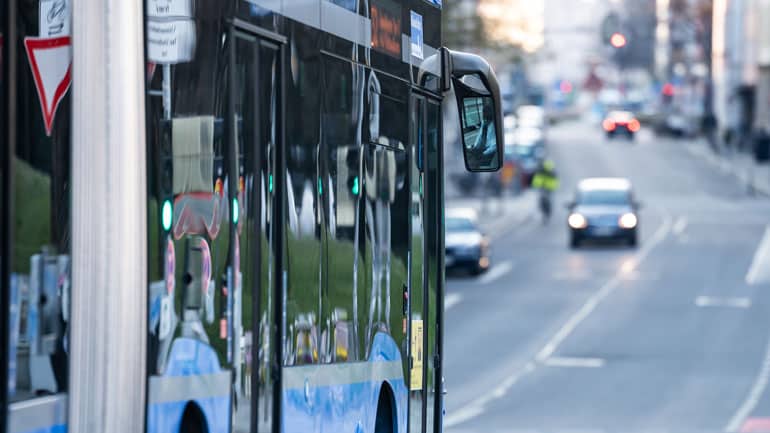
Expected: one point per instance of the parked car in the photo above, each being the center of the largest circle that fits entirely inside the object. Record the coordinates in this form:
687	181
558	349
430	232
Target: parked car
466	246
603	208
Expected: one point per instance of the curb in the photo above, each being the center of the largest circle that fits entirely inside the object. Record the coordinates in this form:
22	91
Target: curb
725	166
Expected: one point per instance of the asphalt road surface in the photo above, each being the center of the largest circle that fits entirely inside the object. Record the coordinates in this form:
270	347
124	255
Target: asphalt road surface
671	336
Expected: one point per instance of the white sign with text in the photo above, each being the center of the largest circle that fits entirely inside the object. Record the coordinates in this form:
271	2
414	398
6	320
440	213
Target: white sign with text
170	42
54	18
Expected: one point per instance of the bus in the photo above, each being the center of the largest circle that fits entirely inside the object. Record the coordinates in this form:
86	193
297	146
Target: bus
227	215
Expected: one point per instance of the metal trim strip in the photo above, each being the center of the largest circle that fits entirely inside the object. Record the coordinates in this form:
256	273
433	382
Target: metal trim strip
342	374
167	389
245	26
345	24
37	414
340	22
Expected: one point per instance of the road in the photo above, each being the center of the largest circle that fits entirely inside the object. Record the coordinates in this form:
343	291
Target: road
669	337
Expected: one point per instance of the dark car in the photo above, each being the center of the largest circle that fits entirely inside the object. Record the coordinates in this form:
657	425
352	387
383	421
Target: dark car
526	148
603	208
466	246
621	123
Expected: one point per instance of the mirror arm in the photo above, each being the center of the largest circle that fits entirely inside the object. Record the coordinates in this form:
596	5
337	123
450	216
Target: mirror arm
446	69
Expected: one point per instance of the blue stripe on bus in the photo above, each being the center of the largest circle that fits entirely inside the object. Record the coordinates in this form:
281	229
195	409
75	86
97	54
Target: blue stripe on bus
190	357
347	407
58	428
350	407
167	417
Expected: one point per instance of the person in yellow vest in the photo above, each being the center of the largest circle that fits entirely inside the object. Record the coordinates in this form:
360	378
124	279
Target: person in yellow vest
546	181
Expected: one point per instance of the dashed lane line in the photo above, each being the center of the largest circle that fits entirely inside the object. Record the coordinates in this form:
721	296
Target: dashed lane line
759	271
452	299
496	272
606	290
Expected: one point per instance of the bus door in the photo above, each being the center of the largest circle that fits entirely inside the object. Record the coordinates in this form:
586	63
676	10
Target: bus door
427	269
212	157
256	118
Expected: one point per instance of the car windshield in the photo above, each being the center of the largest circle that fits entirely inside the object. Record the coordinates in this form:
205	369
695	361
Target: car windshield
603	197
620	116
455	224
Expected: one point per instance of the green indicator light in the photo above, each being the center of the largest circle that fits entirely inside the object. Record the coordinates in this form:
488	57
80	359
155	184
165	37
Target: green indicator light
270	183
420	184
166	215
320	187
355	188
236	211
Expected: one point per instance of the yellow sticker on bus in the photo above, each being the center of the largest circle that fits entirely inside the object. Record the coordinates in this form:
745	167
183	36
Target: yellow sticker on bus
415	379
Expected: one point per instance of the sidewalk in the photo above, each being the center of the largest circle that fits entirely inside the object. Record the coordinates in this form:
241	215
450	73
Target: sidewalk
498	215
741	165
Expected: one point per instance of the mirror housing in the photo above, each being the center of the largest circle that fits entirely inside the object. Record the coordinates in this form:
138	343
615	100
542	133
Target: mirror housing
480	106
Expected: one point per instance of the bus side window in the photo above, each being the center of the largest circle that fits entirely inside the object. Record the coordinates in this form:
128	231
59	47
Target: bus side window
305	190
344	289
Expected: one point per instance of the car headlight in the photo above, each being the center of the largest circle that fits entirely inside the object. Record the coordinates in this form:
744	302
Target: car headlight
628	221
577	221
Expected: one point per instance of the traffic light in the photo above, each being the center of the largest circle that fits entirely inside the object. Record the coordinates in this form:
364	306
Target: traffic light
166	214
166	176
353	165
668	93
618	40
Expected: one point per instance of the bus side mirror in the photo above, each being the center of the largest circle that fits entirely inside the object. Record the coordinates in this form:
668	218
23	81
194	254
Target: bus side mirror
479	104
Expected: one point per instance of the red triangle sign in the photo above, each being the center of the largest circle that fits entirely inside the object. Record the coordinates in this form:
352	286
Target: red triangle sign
51	63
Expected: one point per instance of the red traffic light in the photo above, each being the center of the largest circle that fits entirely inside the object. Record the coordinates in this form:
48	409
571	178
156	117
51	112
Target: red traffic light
618	40
565	87
668	89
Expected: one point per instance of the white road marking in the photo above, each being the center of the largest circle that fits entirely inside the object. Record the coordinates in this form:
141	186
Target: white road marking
562	361
709	301
759	272
757	389
496	272
451	300
607	289
679	226
476	407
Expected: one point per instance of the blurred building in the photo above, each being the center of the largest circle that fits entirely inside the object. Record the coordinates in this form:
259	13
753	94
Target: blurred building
639	25
572	39
741	68
463	28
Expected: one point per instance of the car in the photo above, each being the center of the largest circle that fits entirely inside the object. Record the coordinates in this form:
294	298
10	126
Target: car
603	208
531	116
466	246
621	122
526	149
